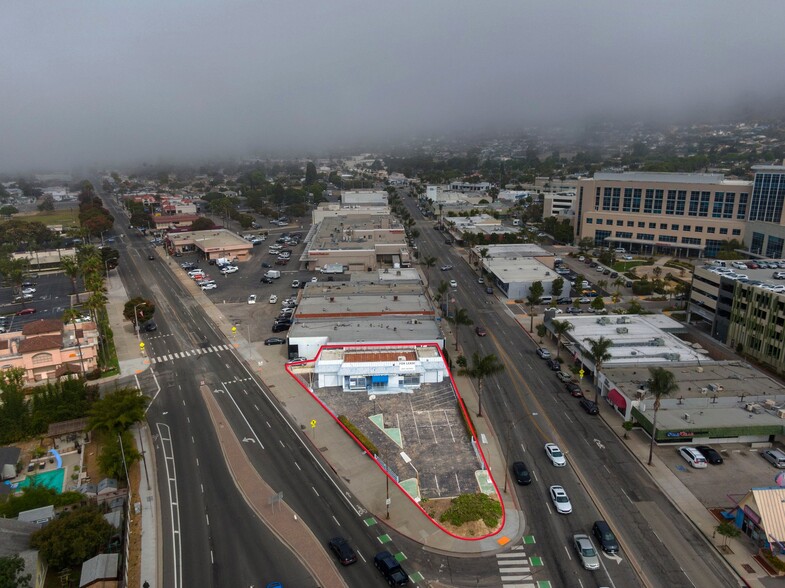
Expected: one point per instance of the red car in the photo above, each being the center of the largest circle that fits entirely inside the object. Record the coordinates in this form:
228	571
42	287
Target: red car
26	311
480	332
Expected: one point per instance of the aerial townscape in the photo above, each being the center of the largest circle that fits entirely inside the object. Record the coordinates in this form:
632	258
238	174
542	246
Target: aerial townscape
429	294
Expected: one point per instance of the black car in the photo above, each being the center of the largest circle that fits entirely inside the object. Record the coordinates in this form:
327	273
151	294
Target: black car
589	406
342	550
711	455
521	473
274	341
151	257
605	537
150	326
554	364
266	280
574	389
265	264
564	300
390	568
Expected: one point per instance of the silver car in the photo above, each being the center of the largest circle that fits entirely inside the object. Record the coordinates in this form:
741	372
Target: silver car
560	500
586	552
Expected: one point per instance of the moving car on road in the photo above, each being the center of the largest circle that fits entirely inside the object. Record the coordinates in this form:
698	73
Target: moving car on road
342	550
555	454
389	567
521	473
560	500
586	552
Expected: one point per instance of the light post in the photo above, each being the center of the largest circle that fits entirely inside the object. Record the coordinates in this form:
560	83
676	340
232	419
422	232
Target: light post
136	319
507	449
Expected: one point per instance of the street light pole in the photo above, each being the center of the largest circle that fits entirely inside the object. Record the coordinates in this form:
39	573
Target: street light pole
136	320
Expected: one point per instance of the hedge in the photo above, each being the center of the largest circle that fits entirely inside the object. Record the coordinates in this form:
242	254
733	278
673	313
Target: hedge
364	441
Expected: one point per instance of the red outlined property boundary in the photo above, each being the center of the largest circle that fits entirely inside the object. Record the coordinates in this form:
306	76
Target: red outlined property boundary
346	430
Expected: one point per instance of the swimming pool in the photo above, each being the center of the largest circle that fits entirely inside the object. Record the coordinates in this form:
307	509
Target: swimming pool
51	479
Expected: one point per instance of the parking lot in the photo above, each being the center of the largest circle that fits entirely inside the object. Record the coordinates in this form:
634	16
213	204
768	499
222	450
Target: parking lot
51	298
743	468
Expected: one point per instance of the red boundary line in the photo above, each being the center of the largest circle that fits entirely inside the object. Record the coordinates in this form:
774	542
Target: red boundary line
465	416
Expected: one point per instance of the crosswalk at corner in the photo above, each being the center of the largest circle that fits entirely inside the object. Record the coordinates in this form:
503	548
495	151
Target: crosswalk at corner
515	569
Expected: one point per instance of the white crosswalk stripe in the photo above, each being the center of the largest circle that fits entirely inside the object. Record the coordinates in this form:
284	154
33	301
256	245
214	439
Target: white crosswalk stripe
514	568
189	353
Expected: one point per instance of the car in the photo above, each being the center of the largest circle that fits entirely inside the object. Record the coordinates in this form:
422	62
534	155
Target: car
581	258
273	298
150	326
295	283
453	284
266	280
693	457
480	331
480	281
584	300
209	286
774	456
589	406
274	341
342	550
28	290
193	271
574	310
560	500
605	537
712	455
564	376
564	300
521	473
586	552
281	326
553	364
446	267
390	569
627	257
266	265
25	311
555	454
543	353
23	297
151	257
187	265
554	310
314	280
229	269
252	299
574	389
488	290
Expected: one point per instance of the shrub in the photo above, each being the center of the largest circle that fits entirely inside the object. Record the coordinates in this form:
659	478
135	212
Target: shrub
359	435
773	560
473	507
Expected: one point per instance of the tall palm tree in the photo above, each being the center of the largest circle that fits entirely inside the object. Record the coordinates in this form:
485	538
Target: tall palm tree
599	354
561	328
483	255
480	368
533	299
662	382
461	317
71	269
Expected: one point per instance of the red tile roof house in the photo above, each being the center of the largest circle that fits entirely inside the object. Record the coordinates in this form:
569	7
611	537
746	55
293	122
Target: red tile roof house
48	349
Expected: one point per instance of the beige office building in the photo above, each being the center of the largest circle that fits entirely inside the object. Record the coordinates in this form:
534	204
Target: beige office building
688	215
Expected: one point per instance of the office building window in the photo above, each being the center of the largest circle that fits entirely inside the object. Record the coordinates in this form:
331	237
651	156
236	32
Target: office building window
599	221
713	247
699	229
652	225
588	221
774	247
645	236
670	203
694	201
636	200
648	201
730	198
668	238
619	223
615	199
627	205
606	199
597	199
623	235
641	225
663	226
710	229
686	228
674	227
756	246
741	213
658	201
704	208
690	241
719	203
723	231
630	223
681	201
768	196
736	232
599	238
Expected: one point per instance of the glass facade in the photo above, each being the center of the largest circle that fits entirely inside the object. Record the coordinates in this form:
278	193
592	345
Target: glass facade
768	196
774	246
757	243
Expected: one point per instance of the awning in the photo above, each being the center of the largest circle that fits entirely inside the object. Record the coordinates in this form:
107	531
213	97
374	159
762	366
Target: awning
380	379
615	397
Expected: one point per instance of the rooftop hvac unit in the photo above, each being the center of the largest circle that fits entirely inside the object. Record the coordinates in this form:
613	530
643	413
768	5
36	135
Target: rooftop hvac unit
658	342
753	407
686	416
715	388
622	330
770	404
781	413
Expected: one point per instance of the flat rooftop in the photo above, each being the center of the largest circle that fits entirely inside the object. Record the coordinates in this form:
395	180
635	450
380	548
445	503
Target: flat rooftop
520	269
361	303
711	416
349	331
376	354
637	339
211	240
357	232
669	178
514	250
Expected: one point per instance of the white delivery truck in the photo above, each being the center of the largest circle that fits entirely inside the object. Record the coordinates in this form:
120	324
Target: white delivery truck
272	274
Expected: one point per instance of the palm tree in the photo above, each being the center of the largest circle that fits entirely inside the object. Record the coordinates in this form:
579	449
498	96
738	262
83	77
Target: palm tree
481	368
71	269
483	255
599	354
561	328
661	383
461	317
533	299
70	315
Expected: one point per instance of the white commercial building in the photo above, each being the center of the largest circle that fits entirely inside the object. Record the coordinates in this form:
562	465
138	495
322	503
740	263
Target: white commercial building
364	198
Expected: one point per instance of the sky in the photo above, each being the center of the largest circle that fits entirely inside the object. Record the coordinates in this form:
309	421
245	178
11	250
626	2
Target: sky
86	82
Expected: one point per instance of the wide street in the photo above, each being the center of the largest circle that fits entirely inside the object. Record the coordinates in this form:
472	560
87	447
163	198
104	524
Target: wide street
529	407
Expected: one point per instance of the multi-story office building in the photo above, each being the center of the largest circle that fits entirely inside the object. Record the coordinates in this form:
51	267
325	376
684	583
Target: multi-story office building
669	213
765	232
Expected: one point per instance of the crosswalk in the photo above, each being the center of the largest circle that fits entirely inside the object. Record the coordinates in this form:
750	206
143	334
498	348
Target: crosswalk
515	568
191	353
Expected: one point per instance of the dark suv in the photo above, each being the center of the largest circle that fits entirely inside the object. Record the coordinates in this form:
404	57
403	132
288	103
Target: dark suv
342	550
521	473
554	364
605	537
589	406
390	568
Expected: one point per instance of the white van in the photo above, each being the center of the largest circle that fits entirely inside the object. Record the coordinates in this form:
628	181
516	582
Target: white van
693	457
546	299
775	457
620	250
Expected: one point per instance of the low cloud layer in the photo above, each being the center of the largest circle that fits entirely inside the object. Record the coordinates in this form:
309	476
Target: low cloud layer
112	82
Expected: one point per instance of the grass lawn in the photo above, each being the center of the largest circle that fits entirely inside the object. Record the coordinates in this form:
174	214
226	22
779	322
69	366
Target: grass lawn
66	217
623	266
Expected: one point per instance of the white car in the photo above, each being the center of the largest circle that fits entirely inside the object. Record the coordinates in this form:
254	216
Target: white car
209	286
273	298
555	309
555	455
560	500
252	299
28	291
314	280
453	284
195	272
229	269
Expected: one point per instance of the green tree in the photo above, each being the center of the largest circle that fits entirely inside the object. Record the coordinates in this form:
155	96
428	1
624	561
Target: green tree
460	318
585	245
145	309
533	299
8	210
71	269
310	173
599	353
728	531
481	367
111	457
662	383
597	303
47	203
634	307
561	328
202	224
556	287
117	411
73	537
12	574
